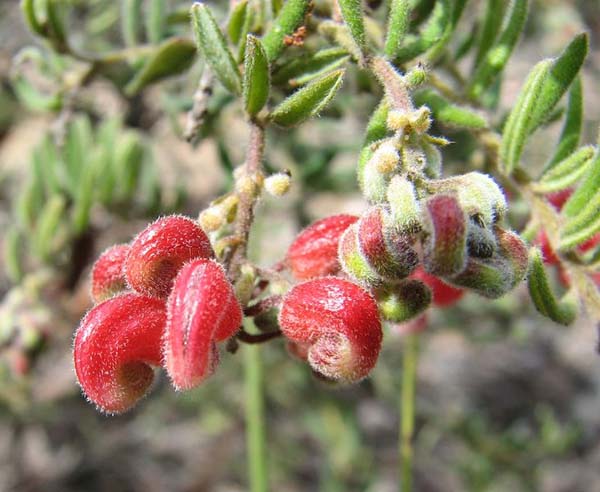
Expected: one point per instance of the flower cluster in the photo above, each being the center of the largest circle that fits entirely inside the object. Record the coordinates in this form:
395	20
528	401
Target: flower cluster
162	300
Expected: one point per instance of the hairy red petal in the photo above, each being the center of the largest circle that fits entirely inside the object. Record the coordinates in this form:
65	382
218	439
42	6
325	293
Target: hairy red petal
108	277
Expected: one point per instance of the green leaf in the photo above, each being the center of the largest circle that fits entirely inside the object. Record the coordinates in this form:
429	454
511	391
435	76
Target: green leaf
564	311
237	20
448	113
562	73
155	20
497	56
571	131
353	16
211	43
431	33
56	25
302	70
397	27
47	226
28	8
131	13
308	100
516	128
566	172
128	159
256	76
489	29
33	99
172	57
584	194
13	248
290	17
377	127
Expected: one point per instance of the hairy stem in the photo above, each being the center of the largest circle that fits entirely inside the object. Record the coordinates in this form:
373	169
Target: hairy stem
407	411
255	416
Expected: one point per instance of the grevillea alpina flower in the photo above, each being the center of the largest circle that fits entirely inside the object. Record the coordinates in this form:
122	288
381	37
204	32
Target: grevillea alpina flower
115	345
372	250
442	294
493	277
108	277
159	251
339	321
445	245
314	251
202	310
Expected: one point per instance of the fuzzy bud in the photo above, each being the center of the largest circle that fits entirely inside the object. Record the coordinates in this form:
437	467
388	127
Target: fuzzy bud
314	252
159	252
373	184
114	345
108	277
202	310
404	206
445	247
397	120
278	184
340	323
385	159
404	301
212	219
420	119
479	194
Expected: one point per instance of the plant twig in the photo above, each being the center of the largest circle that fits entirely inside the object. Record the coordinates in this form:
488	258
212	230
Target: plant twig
407	409
253	339
197	115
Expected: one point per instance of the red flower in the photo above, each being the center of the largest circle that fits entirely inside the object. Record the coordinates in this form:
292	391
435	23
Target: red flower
108	277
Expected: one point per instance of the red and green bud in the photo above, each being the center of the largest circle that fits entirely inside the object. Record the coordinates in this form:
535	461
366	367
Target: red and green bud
202	311
445	242
108	277
339	321
404	301
115	345
157	254
314	252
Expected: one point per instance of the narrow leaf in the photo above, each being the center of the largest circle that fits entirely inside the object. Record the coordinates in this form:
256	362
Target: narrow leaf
172	57
47	227
211	43
237	19
584	194
302	70
489	29
571	131
56	25
449	113
397	27
28	8
430	34
308	101
256	76
289	19
13	251
566	172
515	130
155	20
131	13
563	312
353	16
562	73
498	55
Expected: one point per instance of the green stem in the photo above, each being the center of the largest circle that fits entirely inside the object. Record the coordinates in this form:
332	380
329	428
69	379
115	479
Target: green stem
255	416
407	409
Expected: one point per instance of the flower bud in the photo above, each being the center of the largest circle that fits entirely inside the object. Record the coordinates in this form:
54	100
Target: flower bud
445	226
385	158
202	310
397	120
480	241
114	345
212	218
389	254
514	250
404	206
314	252
159	252
373	184
339	321
479	194
278	184
353	262
108	277
404	301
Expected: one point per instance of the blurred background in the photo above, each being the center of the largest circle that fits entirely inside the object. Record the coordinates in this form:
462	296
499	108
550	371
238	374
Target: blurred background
506	400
